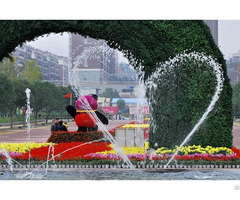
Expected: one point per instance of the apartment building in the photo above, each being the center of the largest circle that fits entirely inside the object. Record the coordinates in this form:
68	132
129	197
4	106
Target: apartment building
54	68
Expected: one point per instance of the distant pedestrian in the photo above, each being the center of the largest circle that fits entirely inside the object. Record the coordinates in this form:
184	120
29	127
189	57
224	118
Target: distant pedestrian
62	126
55	126
65	124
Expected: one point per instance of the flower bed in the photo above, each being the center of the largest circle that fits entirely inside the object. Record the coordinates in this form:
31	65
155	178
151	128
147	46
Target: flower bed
103	153
186	153
66	151
22	147
74	136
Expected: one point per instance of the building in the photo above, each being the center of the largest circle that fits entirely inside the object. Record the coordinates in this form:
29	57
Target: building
129	102
54	68
104	102
233	64
96	66
94	59
233	68
63	63
135	106
213	25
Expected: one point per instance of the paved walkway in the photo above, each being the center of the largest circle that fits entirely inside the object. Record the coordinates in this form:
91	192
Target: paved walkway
236	135
42	132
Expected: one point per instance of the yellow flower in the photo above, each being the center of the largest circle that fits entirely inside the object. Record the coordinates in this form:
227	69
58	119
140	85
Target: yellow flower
146	145
22	147
135	126
163	150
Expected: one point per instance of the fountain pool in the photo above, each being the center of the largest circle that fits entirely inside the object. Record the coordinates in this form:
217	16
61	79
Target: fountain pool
125	174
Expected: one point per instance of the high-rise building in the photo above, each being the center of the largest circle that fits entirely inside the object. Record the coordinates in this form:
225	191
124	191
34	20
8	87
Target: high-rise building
53	68
94	64
94	59
213	25
233	68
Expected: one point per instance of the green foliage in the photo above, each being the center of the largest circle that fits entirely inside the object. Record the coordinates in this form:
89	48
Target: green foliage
146	43
31	72
20	87
184	93
49	97
18	96
44	95
177	112
121	104
7	94
236	100
110	93
8	119
8	68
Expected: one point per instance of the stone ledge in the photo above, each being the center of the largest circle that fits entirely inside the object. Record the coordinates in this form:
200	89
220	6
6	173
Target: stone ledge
107	166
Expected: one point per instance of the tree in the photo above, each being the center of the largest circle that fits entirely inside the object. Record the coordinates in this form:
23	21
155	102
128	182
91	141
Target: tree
49	97
7	96
121	104
61	101
38	96
18	97
31	72
109	93
50	101
20	87
236	100
8	68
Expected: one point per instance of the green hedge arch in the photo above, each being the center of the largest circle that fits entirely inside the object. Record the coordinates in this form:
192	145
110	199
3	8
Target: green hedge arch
146	43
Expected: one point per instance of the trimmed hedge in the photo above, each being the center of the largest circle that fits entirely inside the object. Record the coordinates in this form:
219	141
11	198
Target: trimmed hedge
74	136
178	108
147	43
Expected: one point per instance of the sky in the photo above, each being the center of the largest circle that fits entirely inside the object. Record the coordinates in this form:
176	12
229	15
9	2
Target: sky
228	40
229	37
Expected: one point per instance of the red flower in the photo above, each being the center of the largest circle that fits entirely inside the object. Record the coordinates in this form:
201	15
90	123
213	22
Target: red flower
67	151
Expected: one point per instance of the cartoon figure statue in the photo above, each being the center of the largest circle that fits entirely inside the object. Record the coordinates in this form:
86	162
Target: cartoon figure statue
82	116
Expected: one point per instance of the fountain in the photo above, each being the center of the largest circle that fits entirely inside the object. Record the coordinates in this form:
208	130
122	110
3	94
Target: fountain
179	59
28	114
76	87
130	173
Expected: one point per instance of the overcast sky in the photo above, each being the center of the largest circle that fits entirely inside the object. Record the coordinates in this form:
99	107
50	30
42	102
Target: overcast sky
229	37
228	40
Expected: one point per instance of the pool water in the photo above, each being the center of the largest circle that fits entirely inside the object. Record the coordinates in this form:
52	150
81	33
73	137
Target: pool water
122	174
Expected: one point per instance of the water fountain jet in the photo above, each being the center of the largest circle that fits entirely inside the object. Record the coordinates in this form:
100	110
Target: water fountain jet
181	58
